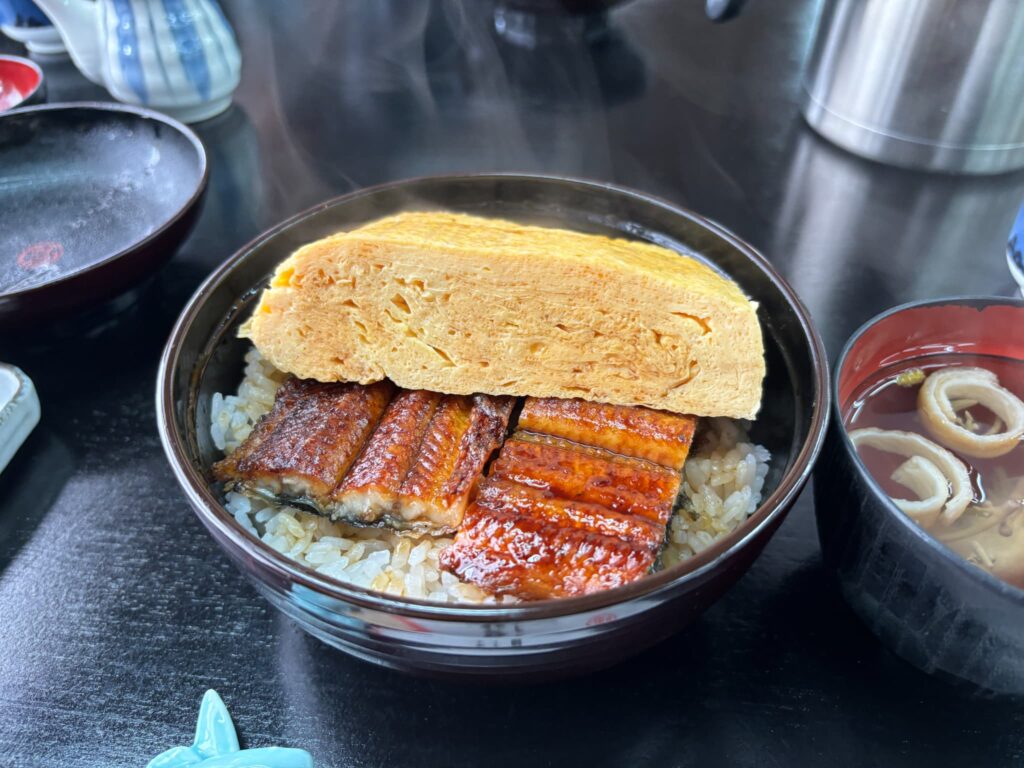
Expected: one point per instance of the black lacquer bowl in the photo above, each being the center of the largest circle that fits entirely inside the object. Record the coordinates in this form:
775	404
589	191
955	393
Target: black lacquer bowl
94	198
923	600
542	639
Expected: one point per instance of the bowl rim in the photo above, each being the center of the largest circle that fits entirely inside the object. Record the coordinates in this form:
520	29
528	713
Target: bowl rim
226	529
40	78
139	245
923	537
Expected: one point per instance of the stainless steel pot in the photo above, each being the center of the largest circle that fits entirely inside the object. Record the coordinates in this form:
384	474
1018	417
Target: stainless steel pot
931	84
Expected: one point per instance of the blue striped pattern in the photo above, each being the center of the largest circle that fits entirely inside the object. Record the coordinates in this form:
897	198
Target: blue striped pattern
128	49
217	15
190	47
161	67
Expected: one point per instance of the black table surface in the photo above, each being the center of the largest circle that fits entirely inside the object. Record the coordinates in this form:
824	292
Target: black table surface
117	610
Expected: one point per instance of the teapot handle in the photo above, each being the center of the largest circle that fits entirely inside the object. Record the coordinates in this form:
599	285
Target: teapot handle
723	10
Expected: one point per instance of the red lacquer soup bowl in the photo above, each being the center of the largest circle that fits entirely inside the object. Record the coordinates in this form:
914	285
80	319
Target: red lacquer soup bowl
924	601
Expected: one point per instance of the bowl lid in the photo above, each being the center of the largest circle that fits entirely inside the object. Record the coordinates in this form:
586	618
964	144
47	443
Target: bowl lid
84	184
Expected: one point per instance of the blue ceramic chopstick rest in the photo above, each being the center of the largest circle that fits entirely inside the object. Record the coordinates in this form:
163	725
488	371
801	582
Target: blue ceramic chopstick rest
216	745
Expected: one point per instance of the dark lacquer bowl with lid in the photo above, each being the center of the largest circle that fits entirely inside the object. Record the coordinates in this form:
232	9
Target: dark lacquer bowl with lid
526	640
927	602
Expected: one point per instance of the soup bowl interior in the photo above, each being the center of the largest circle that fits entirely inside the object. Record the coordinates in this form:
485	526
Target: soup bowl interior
923	600
204	356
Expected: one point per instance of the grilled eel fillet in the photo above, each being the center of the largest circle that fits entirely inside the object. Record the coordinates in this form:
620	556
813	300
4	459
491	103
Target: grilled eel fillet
644	433
580	505
370	455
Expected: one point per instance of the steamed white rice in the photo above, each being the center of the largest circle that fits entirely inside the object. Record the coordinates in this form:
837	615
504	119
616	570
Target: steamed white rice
722	483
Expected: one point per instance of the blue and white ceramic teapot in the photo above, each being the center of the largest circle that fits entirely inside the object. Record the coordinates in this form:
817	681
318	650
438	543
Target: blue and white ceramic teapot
177	56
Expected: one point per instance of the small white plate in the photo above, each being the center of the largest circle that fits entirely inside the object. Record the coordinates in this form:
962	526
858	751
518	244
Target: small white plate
19	411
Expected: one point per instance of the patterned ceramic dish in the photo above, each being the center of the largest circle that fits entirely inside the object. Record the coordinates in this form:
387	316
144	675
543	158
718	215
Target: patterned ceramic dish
23	21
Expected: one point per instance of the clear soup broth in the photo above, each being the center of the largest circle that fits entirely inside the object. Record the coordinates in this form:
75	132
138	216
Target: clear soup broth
990	532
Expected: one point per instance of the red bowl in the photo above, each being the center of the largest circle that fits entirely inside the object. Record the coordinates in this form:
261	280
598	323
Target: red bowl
923	600
21	83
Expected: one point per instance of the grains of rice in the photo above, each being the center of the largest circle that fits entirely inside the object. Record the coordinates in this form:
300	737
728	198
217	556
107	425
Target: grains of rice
722	484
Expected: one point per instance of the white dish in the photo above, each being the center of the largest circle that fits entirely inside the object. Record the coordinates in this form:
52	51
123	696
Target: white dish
45	40
19	411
